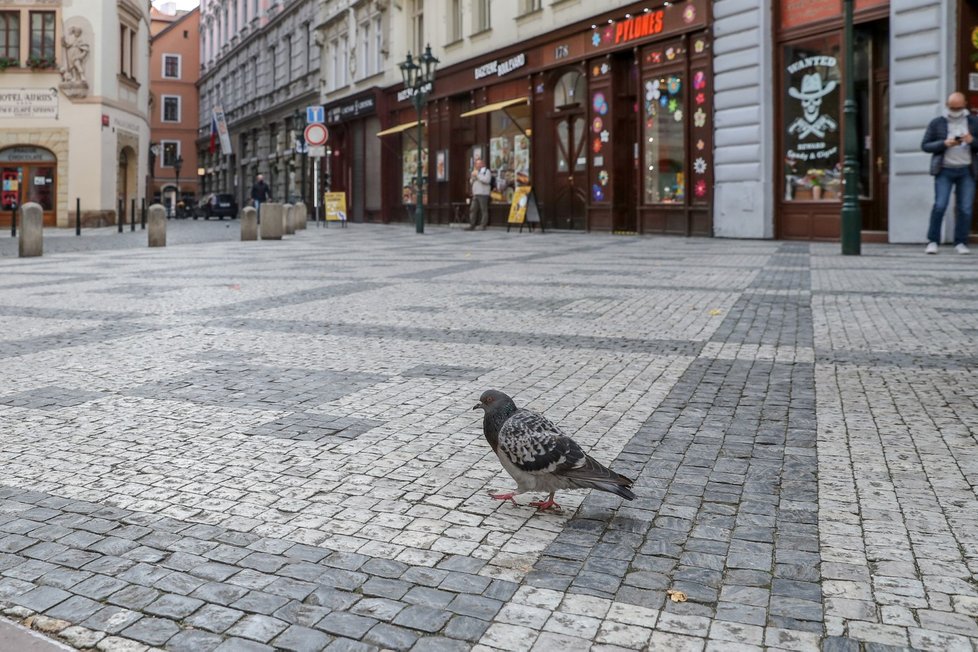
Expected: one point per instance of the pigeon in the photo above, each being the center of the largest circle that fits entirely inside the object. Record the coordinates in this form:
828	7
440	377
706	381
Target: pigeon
539	455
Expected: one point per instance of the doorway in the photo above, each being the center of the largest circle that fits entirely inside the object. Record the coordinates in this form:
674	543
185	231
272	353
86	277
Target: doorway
625	180
28	174
872	85
569	124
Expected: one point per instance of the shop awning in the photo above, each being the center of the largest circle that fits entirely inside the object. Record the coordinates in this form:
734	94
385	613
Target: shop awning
489	108
399	128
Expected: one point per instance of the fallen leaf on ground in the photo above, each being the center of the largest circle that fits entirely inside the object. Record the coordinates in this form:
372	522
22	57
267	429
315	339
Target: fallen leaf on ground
676	596
716	312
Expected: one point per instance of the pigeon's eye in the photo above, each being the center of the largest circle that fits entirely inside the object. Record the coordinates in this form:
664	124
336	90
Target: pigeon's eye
488	399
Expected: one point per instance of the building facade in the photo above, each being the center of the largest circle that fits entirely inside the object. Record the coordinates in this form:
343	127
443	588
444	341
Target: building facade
74	96
259	71
174	67
694	117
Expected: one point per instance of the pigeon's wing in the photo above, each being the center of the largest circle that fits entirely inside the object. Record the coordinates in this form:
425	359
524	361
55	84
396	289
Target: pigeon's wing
535	445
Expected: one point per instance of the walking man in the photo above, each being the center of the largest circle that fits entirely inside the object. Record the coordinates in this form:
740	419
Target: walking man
481	180
260	193
952	139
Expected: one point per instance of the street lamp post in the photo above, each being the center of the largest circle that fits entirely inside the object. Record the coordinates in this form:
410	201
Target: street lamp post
154	150
851	217
177	164
419	77
300	147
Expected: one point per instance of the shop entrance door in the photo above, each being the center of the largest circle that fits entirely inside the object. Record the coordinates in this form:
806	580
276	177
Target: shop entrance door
872	83
570	183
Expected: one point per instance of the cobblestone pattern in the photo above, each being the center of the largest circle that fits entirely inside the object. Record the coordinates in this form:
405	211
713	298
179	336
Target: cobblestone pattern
273	446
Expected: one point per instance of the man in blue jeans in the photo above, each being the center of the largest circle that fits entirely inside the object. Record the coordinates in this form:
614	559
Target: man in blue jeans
952	139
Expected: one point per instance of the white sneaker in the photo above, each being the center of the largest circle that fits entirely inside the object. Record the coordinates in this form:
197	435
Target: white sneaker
931	248
962	249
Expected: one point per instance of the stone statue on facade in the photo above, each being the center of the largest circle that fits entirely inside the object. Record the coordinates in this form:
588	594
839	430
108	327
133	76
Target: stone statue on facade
76	51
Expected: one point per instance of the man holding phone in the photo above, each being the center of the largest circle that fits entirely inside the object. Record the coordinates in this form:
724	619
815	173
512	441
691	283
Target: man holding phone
952	139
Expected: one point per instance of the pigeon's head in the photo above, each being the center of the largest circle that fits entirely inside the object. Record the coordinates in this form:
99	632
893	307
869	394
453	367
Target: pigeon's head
493	400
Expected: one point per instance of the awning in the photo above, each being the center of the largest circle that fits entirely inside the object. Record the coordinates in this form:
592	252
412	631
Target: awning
399	128
489	108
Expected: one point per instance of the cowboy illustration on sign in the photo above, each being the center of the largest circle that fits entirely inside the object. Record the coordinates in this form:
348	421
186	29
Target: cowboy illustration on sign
812	121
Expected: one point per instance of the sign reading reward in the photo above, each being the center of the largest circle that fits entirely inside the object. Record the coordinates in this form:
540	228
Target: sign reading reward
28	103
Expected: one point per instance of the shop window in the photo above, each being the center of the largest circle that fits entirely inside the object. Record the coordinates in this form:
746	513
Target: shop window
409	164
811	110
509	150
10	35
665	151
28	175
42	46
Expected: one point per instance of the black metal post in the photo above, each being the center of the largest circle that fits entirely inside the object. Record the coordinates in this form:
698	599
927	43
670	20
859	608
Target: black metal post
121	215
77	215
419	98
142	215
13	220
132	215
851	217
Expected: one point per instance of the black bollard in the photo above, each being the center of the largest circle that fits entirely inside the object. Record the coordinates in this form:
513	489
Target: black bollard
142	215
77	215
13	221
132	215
120	217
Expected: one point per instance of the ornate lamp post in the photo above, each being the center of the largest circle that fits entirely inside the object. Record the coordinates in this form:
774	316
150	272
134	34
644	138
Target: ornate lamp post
419	77
851	216
300	149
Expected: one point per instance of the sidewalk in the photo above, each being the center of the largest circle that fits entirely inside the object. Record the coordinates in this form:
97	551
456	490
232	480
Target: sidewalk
17	638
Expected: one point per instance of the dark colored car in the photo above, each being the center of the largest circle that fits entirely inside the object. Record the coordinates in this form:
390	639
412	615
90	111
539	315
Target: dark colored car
219	205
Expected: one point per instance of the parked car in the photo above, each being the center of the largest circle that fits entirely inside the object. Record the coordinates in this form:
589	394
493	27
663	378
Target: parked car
219	205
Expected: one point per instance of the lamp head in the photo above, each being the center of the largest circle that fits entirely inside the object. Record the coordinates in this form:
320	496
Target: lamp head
430	63
409	72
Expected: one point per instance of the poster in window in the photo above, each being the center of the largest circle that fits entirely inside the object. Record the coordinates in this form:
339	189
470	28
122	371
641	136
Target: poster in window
812	162
441	165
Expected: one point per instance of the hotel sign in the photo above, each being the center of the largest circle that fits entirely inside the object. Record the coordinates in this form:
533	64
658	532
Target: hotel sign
28	103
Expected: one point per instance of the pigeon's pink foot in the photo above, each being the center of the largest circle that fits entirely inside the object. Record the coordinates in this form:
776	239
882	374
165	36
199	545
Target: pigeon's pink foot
542	505
509	497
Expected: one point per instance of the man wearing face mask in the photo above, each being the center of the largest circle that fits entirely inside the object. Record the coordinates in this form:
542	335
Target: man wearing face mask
952	139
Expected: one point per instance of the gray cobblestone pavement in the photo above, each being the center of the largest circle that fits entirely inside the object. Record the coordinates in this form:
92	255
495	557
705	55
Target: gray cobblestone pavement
269	445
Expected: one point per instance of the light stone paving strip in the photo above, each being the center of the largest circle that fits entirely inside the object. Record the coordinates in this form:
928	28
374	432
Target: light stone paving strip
227	446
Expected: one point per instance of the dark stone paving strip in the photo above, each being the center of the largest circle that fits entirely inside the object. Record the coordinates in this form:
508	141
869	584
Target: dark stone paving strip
181	585
493	338
250	385
289	299
36	312
949	360
307	426
107	330
726	480
50	398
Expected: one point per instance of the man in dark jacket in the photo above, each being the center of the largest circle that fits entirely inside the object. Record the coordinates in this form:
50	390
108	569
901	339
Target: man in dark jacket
952	139
260	193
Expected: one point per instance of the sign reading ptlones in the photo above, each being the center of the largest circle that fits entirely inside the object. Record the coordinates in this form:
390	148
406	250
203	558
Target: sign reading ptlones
638	27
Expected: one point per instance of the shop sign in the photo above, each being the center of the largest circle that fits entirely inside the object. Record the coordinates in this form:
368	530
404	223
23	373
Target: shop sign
408	93
501	67
801	12
354	109
811	111
28	103
673	18
26	154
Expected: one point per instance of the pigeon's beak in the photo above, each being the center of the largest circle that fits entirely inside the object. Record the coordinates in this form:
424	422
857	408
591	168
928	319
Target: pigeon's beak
479	405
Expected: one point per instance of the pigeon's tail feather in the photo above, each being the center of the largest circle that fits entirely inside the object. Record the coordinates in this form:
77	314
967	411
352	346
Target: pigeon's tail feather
594	475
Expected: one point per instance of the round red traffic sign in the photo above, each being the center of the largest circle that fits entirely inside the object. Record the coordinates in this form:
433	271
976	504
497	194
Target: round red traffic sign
316	134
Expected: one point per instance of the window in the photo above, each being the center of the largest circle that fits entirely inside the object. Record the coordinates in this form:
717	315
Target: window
307	31
344	61
334	66
171	108
529	6
10	34
171	66
482	15
417	26
254	9
272	73
42	35
665	151
366	61
171	151
288	59
455	21
378	44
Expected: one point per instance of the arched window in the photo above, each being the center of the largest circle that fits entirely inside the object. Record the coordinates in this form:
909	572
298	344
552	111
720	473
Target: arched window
570	90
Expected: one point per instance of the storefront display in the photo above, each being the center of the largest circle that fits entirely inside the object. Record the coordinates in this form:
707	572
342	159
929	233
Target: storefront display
409	166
